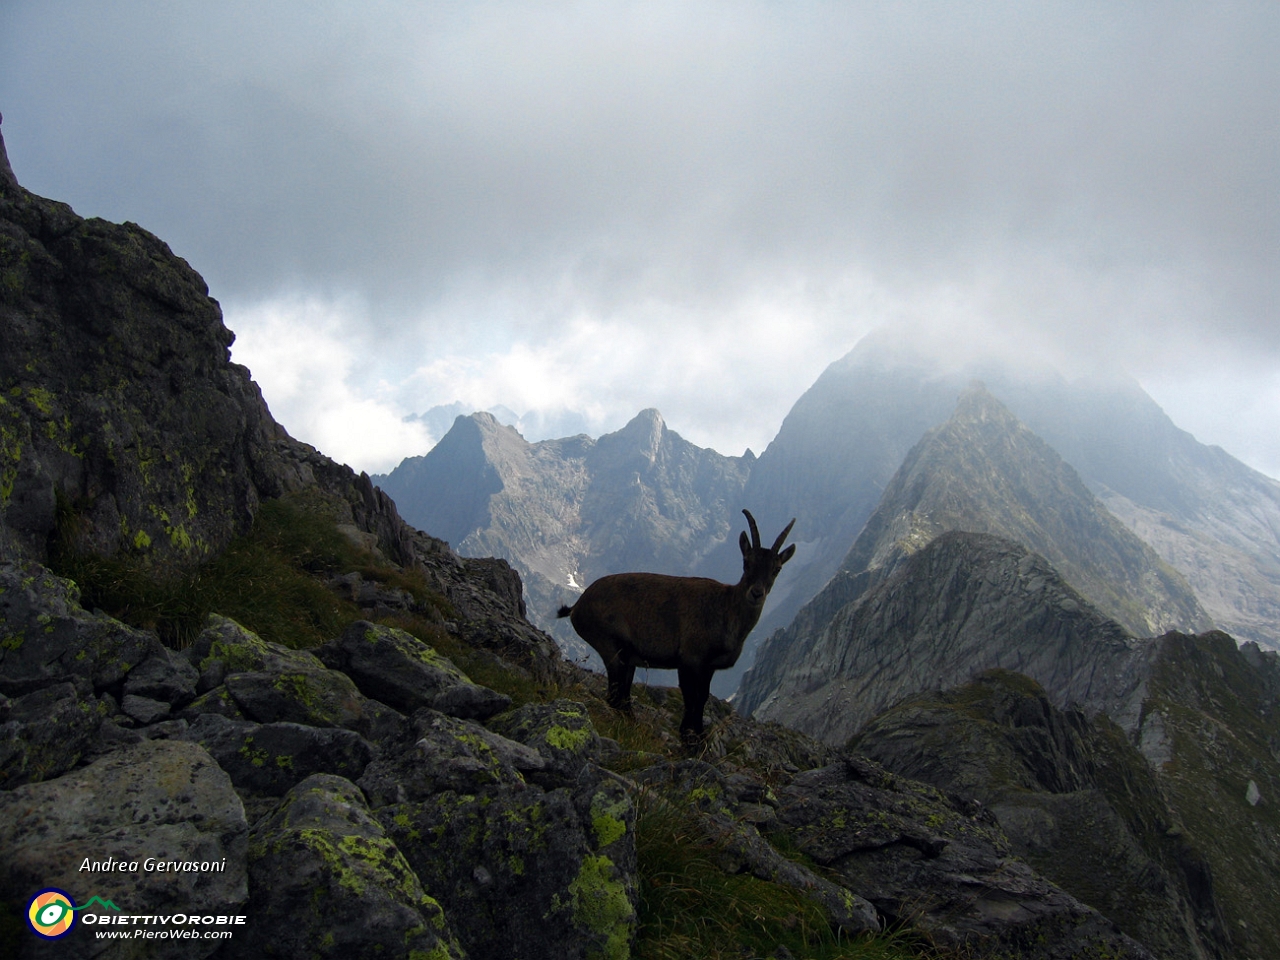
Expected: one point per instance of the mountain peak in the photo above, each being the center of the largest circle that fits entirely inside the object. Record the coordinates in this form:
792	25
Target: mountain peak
645	430
979	405
6	171
985	471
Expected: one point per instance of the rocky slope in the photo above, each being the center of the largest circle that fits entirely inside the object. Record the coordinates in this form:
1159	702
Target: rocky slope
565	512
1071	793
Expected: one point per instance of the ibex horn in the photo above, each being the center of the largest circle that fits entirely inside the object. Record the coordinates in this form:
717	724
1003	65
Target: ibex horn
777	544
755	533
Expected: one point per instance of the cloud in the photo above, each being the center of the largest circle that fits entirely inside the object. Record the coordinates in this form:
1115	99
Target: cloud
694	206
299	356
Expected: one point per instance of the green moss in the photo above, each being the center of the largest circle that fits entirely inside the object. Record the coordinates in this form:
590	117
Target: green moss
563	738
600	904
609	814
41	399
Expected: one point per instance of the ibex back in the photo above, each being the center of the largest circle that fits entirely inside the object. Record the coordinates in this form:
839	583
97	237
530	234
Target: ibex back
691	624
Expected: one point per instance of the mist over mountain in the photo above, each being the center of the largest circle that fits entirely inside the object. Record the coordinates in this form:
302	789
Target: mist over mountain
982	472
1211	518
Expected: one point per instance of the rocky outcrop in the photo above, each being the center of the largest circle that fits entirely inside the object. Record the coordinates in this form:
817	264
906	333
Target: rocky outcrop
338	886
364	820
1211	731
1070	793
125	429
965	603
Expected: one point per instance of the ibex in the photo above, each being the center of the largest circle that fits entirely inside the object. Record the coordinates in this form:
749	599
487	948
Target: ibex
693	624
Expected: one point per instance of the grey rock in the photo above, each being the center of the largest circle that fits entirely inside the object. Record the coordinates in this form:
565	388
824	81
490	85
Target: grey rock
48	637
528	873
917	856
144	709
327	881
169	678
166	730
315	696
159	799
218	700
561	732
228	645
445	753
398	669
271	758
46	733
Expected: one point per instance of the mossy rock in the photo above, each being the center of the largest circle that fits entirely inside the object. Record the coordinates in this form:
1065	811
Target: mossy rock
398	669
327	881
534	874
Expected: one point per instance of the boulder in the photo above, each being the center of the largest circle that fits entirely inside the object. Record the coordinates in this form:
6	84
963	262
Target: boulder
45	734
270	758
93	831
398	669
266	682
445	753
526	872
326	881
168	677
561	732
46	637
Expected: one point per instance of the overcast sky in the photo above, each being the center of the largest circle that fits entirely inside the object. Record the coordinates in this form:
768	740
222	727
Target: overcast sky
597	208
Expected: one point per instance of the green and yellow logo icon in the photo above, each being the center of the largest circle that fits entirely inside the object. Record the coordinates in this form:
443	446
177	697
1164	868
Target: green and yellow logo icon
52	913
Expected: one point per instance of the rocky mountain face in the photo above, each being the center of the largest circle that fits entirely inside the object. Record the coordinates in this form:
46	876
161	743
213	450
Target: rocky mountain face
983	471
1153	757
120	410
964	603
565	512
1070	793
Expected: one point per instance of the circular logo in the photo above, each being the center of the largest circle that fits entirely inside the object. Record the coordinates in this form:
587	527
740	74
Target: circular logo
51	913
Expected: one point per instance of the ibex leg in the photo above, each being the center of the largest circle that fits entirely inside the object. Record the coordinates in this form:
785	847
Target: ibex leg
620	676
695	685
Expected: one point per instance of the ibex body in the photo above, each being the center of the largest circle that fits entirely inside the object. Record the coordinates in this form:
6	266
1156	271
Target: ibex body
690	624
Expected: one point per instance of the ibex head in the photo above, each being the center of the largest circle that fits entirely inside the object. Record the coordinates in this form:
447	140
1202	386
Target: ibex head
760	567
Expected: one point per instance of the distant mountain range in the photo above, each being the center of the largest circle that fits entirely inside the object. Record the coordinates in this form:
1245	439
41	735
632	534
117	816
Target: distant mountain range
564	512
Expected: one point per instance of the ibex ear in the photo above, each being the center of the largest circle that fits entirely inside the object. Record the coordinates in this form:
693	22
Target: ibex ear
744	543
786	554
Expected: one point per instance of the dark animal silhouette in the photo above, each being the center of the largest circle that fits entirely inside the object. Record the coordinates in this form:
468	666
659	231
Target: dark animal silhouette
692	624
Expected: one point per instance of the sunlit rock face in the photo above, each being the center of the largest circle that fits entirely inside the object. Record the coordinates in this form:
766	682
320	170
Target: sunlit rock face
963	604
